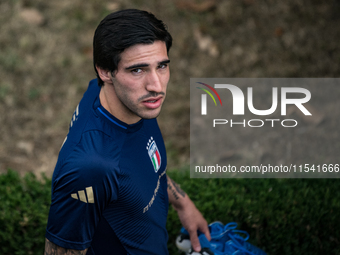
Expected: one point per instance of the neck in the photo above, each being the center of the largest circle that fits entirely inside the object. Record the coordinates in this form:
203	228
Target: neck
113	105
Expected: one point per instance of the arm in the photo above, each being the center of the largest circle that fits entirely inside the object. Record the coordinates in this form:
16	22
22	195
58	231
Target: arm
191	219
53	249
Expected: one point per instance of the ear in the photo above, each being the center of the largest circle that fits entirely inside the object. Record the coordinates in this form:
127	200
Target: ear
104	74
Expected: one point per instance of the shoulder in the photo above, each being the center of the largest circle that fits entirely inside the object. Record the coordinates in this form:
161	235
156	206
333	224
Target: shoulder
89	165
94	158
95	150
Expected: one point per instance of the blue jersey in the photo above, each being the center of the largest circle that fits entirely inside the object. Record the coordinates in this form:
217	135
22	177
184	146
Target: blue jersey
109	187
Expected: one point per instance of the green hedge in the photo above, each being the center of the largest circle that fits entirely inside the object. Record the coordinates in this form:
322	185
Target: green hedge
282	216
24	205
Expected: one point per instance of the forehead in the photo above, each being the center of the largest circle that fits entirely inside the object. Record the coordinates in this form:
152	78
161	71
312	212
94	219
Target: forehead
144	53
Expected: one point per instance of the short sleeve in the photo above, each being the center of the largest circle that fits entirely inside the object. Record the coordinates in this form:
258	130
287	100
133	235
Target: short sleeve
84	186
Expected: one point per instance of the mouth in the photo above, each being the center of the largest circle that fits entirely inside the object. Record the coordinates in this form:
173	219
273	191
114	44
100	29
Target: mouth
153	103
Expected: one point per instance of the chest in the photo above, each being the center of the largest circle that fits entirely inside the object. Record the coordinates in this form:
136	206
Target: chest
142	171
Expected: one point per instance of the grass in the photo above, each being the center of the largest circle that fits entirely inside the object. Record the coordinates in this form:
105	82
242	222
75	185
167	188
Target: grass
45	66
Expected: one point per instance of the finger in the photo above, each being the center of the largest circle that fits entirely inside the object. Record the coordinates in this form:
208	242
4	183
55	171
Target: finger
205	230
194	241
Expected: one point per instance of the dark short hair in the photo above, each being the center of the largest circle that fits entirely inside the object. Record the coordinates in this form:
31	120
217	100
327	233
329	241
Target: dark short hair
123	29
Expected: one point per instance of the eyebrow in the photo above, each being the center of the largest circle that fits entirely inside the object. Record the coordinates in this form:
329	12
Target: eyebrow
140	65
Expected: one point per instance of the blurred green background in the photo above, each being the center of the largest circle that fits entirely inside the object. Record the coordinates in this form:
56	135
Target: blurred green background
46	64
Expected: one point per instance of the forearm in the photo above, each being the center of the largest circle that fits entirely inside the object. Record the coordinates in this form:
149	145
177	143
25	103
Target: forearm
191	219
53	249
177	196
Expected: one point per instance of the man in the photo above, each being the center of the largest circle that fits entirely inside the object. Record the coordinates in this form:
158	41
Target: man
110	190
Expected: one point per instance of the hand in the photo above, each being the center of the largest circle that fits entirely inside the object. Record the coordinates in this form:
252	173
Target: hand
193	221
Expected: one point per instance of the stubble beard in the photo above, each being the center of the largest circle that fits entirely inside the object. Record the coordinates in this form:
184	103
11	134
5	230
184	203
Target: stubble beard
134	109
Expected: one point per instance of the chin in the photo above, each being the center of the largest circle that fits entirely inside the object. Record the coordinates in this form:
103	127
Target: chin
150	115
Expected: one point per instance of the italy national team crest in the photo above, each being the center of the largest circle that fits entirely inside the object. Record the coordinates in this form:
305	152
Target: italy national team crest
154	154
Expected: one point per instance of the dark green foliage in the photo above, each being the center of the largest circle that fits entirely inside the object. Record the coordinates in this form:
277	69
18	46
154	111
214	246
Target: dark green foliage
24	205
282	216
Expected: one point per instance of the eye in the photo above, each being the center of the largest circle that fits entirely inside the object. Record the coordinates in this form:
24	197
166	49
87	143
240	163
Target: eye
136	71
163	66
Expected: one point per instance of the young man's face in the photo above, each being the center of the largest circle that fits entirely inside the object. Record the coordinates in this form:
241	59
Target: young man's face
141	80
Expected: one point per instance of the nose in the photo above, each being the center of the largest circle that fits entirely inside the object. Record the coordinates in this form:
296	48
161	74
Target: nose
154	82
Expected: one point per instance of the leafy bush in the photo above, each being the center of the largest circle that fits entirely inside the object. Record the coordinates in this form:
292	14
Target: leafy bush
24	205
282	216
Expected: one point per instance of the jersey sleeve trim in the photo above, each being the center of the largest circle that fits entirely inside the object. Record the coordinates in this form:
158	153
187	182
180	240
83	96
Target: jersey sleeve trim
67	244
